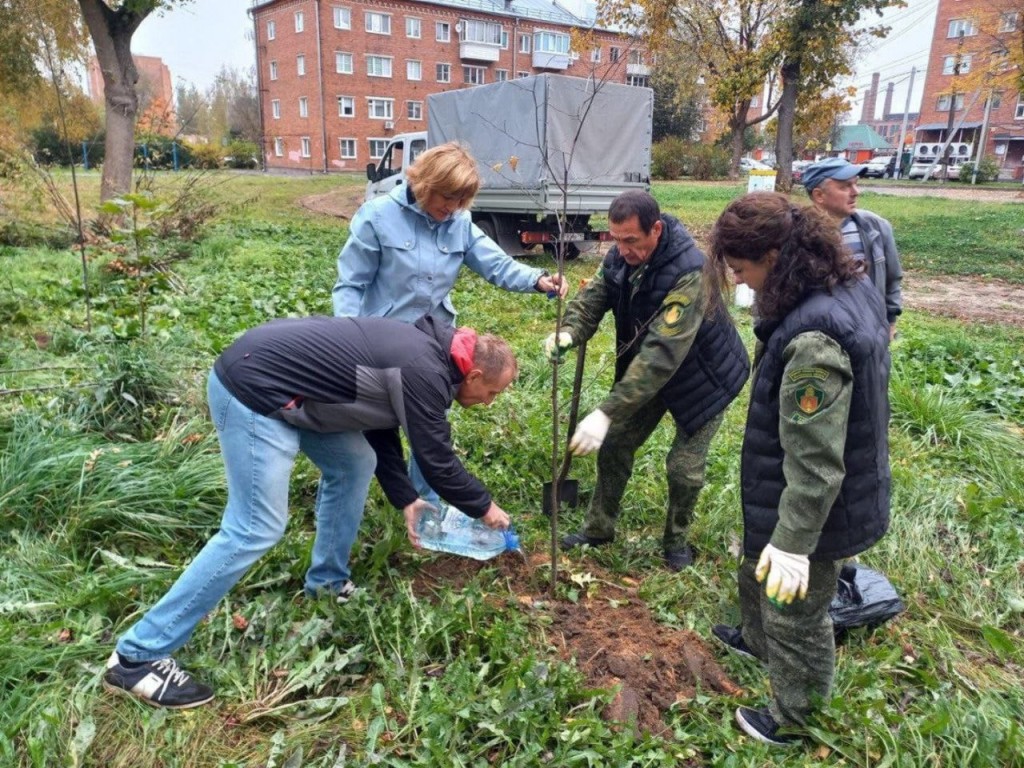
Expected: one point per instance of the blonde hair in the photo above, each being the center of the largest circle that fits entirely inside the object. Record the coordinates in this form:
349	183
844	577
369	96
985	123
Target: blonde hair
447	169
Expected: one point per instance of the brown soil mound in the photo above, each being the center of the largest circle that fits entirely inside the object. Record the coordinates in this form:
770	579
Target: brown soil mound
609	632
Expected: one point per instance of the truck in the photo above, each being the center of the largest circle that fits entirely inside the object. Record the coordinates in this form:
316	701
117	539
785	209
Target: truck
552	151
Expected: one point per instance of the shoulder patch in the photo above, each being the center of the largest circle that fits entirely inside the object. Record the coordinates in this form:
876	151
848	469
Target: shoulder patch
809	373
809	397
674	312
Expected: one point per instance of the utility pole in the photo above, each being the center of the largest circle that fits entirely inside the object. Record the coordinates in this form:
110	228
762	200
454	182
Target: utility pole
981	140
903	127
952	107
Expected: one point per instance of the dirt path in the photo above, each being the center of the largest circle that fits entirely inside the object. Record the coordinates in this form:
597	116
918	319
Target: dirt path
969	299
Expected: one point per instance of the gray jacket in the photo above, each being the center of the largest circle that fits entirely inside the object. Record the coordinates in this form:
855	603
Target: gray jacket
882	259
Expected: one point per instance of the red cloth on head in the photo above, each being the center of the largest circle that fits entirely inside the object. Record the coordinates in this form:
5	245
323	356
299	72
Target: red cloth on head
463	346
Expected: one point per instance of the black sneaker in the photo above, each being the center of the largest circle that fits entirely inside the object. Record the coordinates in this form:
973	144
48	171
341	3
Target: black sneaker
345	593
573	540
732	638
160	683
677	559
759	724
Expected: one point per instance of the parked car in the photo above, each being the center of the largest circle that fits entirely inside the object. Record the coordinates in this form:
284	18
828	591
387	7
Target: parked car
748	164
798	169
918	169
880	167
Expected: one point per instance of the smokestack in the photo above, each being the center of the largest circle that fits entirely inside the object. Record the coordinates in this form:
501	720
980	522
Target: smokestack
887	109
867	113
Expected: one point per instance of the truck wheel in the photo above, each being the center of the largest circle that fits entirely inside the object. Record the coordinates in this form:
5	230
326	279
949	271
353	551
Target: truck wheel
487	227
571	250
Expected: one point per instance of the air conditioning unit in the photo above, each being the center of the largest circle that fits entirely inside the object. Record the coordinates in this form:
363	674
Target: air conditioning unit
389	125
959	149
923	150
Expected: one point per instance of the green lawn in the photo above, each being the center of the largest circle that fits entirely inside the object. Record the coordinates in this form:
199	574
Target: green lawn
110	480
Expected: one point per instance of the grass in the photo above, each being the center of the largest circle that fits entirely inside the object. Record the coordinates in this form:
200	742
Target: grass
103	497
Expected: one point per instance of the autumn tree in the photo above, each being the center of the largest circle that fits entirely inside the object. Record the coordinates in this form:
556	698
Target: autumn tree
111	26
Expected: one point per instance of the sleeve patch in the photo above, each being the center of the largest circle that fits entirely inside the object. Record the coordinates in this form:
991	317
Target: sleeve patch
809	373
675	311
809	397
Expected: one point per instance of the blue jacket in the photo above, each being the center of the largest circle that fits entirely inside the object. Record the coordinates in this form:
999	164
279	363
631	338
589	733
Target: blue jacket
400	263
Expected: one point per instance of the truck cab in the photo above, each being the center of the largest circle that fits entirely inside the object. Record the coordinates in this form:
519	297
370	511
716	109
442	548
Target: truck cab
389	172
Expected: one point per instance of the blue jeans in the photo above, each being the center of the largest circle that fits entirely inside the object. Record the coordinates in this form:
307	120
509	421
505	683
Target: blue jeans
258	454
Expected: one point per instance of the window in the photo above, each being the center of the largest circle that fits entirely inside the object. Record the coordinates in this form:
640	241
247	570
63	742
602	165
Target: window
343	63
473	75
997	100
481	32
380	109
413	28
378	23
300	65
444	73
377	147
636	57
303	106
551	42
504	40
305	146
414	110
414	70
346	106
942	105
442	31
755	101
300	21
524	43
278	147
639	81
522	74
378	66
949	65
271	32
500	75
613	54
275	109
1008	21
343	18
964	27
1018	113
595	55
273	70
347	148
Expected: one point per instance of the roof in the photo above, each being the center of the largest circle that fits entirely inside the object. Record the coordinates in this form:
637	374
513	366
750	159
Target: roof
944	126
859	137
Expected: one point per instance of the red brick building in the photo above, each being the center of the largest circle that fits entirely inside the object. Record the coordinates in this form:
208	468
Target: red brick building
338	79
969	63
156	95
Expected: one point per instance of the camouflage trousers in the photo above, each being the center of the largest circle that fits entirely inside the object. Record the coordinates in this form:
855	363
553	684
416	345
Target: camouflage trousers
684	467
796	640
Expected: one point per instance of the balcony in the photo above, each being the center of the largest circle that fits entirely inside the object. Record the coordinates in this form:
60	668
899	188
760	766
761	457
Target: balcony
471	51
638	69
550	60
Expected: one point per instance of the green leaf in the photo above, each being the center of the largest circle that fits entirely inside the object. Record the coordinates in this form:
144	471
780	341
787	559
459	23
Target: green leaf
999	640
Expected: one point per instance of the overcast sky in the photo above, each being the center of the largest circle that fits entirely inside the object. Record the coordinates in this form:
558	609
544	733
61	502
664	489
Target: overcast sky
197	39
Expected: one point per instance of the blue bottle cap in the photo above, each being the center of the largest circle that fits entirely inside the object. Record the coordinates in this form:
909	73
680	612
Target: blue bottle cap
511	539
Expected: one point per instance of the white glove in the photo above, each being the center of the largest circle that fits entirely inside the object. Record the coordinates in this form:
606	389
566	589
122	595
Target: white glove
556	349
590	433
787	575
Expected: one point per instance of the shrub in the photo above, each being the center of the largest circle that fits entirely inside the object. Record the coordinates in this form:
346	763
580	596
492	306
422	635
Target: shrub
155	152
708	162
668	158
206	156
988	170
242	154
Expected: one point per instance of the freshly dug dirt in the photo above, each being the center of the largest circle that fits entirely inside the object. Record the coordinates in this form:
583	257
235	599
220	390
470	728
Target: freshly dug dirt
609	632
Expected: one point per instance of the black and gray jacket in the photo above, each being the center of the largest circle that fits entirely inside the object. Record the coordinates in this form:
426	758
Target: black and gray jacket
365	374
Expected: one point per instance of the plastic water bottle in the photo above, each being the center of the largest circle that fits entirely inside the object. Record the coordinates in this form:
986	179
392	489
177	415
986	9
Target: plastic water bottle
449	530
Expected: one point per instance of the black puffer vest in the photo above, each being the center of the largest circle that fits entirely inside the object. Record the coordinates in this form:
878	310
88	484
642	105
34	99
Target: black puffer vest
715	369
854	316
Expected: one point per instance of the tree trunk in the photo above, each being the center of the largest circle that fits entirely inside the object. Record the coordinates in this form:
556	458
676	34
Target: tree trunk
111	33
787	116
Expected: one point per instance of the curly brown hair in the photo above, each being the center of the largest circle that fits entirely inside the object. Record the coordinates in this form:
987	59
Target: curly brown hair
811	255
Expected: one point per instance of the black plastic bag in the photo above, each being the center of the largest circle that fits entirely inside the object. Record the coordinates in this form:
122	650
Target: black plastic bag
864	598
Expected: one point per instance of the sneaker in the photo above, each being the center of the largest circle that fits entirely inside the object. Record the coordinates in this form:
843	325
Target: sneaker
677	559
732	638
759	724
573	540
160	683
345	593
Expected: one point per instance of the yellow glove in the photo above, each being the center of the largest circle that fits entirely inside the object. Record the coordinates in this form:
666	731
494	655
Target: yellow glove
787	575
556	345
